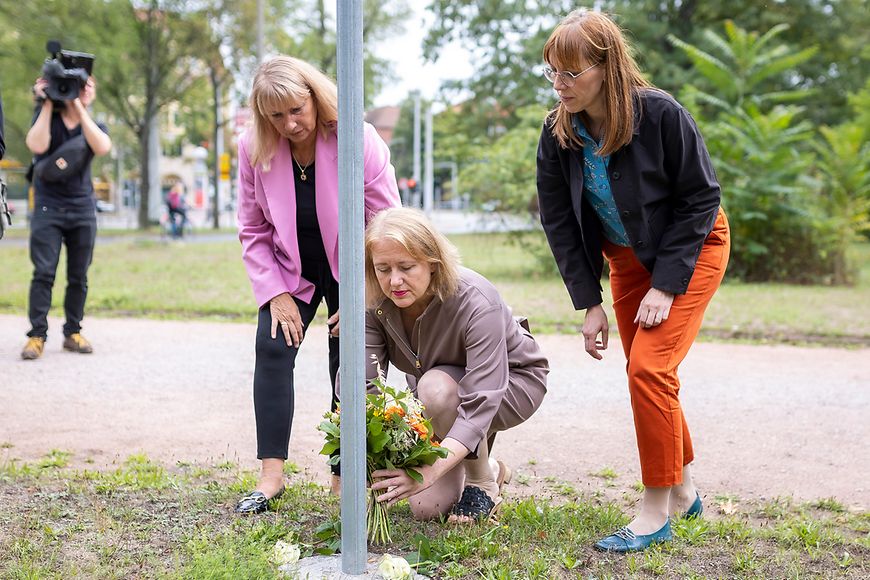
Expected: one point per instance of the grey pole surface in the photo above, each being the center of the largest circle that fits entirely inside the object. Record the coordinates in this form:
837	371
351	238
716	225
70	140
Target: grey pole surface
260	43
416	155
428	170
351	296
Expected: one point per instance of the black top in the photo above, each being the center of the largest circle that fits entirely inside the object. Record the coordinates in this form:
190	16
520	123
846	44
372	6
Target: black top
664	187
308	234
77	192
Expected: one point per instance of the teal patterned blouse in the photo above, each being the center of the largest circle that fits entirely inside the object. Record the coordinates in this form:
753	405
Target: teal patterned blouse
596	186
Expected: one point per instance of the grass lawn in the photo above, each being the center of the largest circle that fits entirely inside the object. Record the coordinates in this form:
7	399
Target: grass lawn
155	279
145	520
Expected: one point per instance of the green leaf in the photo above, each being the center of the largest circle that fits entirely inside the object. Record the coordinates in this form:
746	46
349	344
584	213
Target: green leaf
377	442
329	428
329	447
415	475
375	427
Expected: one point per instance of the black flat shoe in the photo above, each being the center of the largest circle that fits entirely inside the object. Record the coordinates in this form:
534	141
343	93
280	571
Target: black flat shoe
255	502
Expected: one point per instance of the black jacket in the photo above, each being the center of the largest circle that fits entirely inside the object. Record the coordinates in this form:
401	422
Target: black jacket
664	187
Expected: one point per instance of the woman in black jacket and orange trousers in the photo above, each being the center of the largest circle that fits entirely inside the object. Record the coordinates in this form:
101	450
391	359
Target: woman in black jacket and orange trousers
624	174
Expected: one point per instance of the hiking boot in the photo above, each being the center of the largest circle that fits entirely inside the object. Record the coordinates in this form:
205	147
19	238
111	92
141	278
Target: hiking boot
34	347
77	343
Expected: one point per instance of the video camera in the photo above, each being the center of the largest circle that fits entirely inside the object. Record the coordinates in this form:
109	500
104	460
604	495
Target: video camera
66	71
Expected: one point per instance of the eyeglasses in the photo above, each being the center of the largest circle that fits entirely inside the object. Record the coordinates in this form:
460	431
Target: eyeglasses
568	78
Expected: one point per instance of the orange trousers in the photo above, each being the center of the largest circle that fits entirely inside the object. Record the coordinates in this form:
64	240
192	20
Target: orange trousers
654	354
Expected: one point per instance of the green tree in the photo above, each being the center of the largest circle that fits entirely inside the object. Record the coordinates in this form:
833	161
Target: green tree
785	223
744	64
26	28
308	30
506	38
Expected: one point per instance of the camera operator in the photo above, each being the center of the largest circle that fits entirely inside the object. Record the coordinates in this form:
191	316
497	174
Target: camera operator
64	212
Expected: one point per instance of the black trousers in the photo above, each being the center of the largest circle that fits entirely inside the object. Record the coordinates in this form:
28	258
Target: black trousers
49	229
275	363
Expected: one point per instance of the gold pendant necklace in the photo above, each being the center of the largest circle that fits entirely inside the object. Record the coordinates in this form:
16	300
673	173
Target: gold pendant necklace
302	175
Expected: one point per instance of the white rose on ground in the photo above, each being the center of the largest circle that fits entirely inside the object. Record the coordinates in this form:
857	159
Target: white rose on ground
285	553
394	568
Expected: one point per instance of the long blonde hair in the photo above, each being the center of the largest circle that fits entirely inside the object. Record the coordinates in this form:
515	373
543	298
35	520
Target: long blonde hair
593	35
281	82
412	230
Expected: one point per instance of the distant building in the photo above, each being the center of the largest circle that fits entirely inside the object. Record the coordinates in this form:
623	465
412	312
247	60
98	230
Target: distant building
384	120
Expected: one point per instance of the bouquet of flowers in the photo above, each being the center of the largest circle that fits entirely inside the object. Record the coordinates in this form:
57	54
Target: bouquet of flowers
397	437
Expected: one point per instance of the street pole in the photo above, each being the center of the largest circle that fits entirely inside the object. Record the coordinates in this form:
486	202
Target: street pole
416	139
260	27
429	176
351	294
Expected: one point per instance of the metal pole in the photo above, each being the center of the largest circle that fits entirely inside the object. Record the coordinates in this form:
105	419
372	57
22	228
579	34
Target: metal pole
218	153
429	176
417	140
351	295
260	27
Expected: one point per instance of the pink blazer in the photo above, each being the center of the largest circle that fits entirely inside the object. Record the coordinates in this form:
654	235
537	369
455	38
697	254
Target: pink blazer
267	210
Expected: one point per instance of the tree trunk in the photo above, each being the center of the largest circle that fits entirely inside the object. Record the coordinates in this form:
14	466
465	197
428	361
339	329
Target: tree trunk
145	178
217	148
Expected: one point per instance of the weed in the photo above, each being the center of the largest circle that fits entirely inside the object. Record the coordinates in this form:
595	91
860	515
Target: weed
744	560
163	526
137	473
200	472
55	459
829	504
245	482
606	473
654	560
692	530
845	560
566	489
777	508
12	470
732	530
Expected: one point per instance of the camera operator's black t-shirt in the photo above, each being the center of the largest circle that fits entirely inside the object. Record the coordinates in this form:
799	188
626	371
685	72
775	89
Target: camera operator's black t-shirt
77	192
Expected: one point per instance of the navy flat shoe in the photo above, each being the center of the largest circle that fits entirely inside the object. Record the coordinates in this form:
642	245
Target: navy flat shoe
624	540
696	509
256	502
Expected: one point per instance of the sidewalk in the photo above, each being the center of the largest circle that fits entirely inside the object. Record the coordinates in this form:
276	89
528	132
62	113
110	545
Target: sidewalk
766	420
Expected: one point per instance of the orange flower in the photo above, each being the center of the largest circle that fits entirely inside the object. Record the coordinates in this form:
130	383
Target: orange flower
394	410
421	430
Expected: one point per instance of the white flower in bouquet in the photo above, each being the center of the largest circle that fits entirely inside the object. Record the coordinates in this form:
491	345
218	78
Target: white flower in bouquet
394	568
284	553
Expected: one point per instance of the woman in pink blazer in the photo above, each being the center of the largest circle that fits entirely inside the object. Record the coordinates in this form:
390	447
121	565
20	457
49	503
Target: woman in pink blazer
288	227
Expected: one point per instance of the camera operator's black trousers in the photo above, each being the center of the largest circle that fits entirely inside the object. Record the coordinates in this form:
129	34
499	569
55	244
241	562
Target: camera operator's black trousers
49	229
275	363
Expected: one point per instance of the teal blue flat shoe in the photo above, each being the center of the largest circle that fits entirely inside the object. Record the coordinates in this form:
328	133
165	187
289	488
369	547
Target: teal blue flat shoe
696	509
624	540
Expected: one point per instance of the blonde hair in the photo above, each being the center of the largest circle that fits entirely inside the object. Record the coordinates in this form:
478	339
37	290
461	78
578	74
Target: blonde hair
593	35
282	82
412	230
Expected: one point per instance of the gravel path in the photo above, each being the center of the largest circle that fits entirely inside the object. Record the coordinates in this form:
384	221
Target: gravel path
767	421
